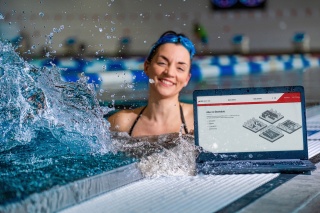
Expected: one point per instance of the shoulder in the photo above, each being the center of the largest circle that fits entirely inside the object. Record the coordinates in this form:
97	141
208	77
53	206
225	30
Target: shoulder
122	121
188	115
187	109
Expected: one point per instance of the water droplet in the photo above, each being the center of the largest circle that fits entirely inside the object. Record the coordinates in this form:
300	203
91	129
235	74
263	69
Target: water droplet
151	81
33	46
1	16
61	27
60	45
214	145
41	14
250	156
100	30
145	42
113	29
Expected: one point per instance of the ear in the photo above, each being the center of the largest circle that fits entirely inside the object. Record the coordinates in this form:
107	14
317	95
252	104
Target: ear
146	67
187	79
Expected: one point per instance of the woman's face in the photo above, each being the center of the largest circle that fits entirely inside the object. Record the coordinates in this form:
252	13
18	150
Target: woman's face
169	69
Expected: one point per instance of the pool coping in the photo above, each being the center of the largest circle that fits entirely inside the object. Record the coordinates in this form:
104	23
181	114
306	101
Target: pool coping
61	197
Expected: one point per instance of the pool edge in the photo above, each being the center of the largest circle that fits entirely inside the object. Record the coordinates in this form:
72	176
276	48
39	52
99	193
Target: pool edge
61	197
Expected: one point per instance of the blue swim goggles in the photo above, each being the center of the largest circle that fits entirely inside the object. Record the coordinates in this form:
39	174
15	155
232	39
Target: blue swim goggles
174	38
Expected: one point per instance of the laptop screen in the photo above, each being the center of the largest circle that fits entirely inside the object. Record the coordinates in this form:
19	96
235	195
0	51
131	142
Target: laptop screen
256	121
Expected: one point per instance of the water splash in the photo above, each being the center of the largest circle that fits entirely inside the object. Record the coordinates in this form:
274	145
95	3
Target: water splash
36	99
52	132
164	155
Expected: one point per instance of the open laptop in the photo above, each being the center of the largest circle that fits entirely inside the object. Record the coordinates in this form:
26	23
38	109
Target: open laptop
251	130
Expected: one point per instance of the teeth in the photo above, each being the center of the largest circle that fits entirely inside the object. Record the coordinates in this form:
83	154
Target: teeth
167	82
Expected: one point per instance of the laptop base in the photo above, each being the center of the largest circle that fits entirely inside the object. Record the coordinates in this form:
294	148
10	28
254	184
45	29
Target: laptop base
247	167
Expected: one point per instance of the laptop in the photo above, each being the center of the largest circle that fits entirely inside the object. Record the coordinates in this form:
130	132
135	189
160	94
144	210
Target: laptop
251	130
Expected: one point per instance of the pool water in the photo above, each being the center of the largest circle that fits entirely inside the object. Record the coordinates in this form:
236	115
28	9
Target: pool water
52	132
43	163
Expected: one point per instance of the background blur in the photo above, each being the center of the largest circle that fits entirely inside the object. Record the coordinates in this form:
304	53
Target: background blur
239	43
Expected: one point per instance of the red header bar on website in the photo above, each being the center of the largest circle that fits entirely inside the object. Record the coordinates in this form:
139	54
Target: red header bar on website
291	97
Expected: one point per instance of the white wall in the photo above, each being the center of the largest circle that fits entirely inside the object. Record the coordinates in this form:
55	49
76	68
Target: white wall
270	30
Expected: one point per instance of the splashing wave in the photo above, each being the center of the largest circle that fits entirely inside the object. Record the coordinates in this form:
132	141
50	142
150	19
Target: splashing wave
35	100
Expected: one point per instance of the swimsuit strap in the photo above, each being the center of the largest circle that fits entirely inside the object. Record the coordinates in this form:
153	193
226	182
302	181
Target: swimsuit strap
181	116
135	122
183	120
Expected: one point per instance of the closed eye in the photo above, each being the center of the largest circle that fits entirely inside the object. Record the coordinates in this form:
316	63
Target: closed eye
162	60
180	68
161	63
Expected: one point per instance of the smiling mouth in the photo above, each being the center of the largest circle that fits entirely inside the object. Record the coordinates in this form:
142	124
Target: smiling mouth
169	83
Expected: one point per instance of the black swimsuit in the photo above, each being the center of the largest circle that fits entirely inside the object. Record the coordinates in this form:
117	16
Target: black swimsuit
181	116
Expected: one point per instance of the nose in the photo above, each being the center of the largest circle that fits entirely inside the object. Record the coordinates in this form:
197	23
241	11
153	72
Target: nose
170	71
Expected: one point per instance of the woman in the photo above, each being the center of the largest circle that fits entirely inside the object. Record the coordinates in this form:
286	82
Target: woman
168	68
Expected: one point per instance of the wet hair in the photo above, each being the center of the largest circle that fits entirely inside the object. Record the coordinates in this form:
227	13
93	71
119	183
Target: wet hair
172	37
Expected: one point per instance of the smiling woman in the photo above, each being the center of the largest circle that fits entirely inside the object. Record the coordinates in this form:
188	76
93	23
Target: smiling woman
168	68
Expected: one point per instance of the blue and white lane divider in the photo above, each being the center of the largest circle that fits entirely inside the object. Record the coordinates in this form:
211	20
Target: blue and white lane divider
119	71
111	64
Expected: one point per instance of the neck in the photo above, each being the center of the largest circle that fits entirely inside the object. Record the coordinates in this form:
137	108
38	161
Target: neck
162	109
164	103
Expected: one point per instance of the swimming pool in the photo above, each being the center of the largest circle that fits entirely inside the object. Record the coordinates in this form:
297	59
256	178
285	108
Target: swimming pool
55	136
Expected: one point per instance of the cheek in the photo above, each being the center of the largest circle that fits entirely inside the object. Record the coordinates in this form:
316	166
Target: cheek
155	72
184	79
